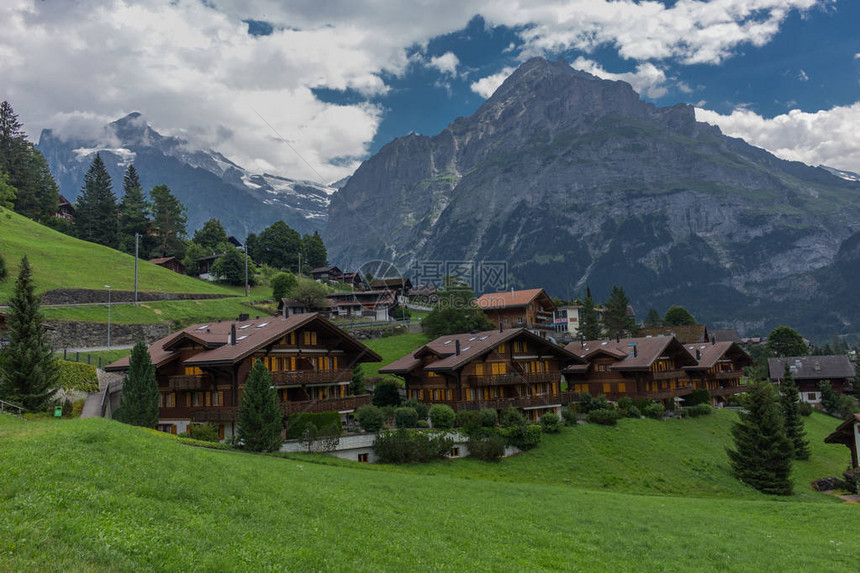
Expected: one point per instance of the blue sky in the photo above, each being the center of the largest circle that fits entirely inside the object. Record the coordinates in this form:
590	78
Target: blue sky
342	78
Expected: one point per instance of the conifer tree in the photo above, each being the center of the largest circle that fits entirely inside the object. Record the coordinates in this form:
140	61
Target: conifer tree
7	192
139	403
789	398
169	218
96	211
652	319
589	324
28	374
315	250
133	212
763	453
13	140
615	318
260	419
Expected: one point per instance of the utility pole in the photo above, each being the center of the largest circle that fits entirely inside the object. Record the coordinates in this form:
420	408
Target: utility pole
108	287
300	264
247	289
136	244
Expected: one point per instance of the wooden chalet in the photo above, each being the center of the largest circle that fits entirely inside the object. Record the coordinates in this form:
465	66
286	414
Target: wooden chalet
65	209
331	273
848	433
651	368
352	279
809	371
170	263
201	370
288	307
204	264
686	334
492	369
401	287
719	370
532	309
376	304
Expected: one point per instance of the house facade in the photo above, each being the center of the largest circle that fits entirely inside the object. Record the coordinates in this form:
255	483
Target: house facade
686	334
719	369
375	304
170	263
809	371
329	273
568	318
848	433
532	309
492	369
201	370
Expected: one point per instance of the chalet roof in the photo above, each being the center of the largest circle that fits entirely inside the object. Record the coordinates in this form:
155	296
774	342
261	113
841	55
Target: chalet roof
648	349
712	353
162	260
367	298
726	335
209	257
513	298
472	345
251	336
811	367
685	334
391	283
844	433
63	202
327	269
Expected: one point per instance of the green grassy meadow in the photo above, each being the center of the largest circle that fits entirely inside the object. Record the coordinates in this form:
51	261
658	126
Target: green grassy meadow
390	349
60	261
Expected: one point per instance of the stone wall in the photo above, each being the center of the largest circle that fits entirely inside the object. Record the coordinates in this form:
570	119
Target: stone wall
368	333
90	334
84	296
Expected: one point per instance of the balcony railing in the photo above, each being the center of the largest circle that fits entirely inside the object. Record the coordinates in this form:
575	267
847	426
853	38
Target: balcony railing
729	390
189	381
669	374
665	394
330	405
214	414
727	375
303	377
514	378
516	402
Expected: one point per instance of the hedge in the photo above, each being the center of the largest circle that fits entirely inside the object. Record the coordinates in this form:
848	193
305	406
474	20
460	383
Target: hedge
297	423
77	376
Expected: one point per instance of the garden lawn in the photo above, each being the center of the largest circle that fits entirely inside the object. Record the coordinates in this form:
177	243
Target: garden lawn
61	261
95	495
391	348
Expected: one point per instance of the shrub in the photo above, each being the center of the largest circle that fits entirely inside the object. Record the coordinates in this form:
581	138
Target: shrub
511	417
203	432
405	446
634	412
77	376
625	402
489	449
441	416
524	437
584	404
846	406
654	410
601	403
405	417
467	420
489	418
602	416
697	397
551	423
370	418
422	424
297	423
320	441
699	410
77	408
852	480
419	407
386	393
569	415
805	408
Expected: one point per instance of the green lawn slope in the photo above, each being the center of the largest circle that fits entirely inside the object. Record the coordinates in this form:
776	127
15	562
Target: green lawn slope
59	261
95	495
390	349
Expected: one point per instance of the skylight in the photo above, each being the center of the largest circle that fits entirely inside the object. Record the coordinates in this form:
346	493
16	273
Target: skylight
447	342
205	326
483	337
243	337
473	338
244	326
603	343
465	349
262	325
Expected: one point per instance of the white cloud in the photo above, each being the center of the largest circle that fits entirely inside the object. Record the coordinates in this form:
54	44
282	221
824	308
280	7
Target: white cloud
485	87
647	79
826	137
802	76
446	63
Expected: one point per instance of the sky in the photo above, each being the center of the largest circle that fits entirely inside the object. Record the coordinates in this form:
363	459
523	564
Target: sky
309	89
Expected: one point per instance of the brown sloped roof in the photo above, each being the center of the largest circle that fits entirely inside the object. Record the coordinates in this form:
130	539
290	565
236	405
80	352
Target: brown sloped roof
157	354
472	345
726	335
711	353
811	367
648	349
844	433
162	260
509	299
685	334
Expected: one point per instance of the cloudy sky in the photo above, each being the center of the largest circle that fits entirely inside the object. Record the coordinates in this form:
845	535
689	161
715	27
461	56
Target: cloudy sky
338	79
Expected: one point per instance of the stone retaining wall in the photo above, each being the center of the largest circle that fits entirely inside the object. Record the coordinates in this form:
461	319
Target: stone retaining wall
84	296
91	334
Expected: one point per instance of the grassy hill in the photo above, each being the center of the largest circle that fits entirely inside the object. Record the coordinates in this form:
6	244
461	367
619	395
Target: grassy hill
60	261
95	495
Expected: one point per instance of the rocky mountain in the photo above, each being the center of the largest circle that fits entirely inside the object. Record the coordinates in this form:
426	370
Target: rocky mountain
573	180
209	184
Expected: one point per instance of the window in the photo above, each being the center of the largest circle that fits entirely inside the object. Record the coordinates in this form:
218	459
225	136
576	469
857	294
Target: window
499	368
811	396
502	348
607	388
455	452
310	338
519	320
363	458
520	346
602	367
193	371
479	369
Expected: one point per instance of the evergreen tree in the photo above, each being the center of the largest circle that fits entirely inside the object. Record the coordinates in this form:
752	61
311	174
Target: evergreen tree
169	220
678	316
763	453
96	212
315	251
789	398
29	372
139	403
356	385
589	324
3	271
615	318
13	141
211	236
260	419
134	211
652	319
7	192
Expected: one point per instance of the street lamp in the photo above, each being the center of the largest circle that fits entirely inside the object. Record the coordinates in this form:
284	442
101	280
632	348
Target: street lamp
108	287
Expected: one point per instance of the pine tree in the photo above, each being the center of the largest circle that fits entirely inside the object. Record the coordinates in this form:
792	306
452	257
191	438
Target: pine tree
589	324
13	141
133	212
789	398
763	453
139	403
169	220
29	372
315	250
652	319
615	318
96	211
7	192
260	419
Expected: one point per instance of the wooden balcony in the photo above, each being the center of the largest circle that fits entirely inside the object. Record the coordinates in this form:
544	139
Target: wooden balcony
517	402
728	375
214	414
189	382
665	394
514	378
304	377
330	405
730	390
669	375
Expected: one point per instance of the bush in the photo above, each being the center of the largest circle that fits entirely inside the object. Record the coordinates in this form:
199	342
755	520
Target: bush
602	416
422	424
511	417
699	410
625	402
441	416
370	418
77	408
405	417
386	392
634	412
852	480
489	449
846	406
551	423
569	416
320	441
489	418
697	397
419	407
467	420
524	437
406	446
805	408
297	423
77	376
654	410
283	284
584	404
203	432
